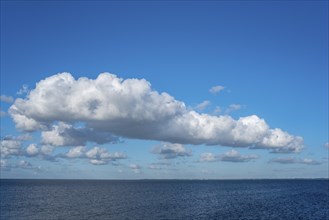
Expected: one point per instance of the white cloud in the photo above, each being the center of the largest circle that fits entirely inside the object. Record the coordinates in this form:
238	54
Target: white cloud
10	146
164	165
229	156
47	149
282	142
326	145
309	161
171	151
24	164
232	108
98	162
23	90
130	108
135	168
202	105
235	156
95	155
4	165
43	152
218	110
32	150
76	152
13	146
293	160
208	157
8	99
216	89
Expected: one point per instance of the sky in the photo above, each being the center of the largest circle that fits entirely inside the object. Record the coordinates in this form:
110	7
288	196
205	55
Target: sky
164	89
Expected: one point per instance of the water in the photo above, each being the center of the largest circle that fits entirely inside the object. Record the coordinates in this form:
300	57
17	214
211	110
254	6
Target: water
164	199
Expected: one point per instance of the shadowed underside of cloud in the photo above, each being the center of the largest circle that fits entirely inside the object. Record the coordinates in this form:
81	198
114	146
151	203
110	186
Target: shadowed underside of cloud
108	106
64	134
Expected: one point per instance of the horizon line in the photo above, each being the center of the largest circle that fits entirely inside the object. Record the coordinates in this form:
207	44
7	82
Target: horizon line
167	179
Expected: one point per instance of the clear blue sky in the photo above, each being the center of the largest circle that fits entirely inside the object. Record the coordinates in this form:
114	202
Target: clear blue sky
270	57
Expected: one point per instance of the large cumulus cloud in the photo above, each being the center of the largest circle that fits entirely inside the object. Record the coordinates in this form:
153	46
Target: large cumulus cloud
109	105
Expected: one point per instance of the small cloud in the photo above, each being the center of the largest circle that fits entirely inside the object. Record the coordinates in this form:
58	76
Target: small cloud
203	105
216	89
229	156
76	152
171	151
98	162
217	110
10	146
43	152
8	99
96	155
287	149
160	166
208	157
326	145
24	164
4	165
32	150
235	156
100	156
135	168
47	149
23	90
292	160
309	161
232	108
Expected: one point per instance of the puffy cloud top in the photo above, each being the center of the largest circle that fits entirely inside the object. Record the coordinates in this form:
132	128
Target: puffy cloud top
131	108
32	150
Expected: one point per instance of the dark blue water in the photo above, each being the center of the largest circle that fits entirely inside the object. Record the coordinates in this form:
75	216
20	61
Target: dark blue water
164	199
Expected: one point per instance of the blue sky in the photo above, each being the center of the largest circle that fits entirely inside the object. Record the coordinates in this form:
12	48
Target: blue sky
267	59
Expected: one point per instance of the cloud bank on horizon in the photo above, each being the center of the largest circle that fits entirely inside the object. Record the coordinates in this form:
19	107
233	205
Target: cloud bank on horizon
72	112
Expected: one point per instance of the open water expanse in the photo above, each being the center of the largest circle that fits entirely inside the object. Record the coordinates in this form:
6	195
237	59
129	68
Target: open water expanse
164	199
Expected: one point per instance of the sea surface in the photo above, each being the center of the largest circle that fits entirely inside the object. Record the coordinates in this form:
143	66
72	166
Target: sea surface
164	199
